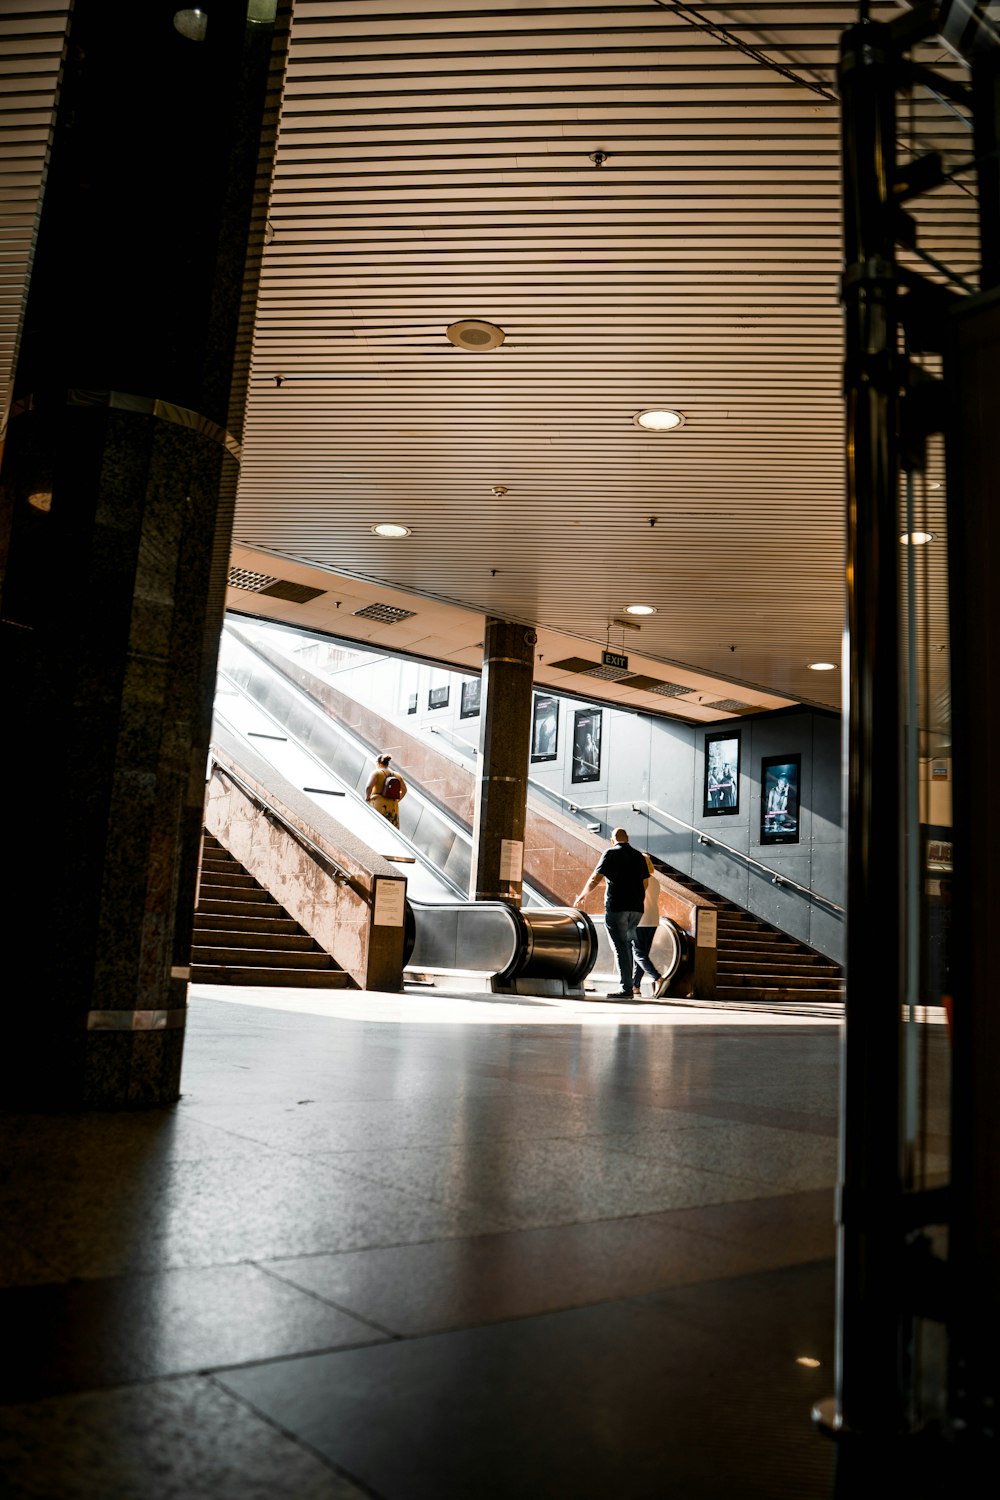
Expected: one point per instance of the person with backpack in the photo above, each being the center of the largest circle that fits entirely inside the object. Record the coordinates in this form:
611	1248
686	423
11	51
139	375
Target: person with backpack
386	790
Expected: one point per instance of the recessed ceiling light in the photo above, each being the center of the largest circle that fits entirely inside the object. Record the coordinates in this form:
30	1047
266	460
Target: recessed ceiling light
475	334
389	528
192	24
658	421
822	666
639	609
916	538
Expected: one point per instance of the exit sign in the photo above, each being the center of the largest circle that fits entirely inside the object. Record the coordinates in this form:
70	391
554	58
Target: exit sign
614	659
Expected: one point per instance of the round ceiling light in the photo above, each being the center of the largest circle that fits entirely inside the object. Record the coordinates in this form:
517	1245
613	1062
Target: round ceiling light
389	528
658	420
639	609
192	23
475	334
822	666
916	538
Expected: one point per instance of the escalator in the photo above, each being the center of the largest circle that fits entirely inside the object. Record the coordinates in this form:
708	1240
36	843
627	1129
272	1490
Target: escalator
545	949
331	764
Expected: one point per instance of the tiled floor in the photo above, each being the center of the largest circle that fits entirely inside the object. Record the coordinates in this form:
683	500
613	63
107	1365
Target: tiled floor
408	1247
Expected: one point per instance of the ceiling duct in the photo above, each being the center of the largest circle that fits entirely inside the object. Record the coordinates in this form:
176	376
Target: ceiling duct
386	614
244	578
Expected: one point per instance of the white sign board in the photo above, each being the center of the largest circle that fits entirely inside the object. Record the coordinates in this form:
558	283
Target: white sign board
389	902
707	927
511	859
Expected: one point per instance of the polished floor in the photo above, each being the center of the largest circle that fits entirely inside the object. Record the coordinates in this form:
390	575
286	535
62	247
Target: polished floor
454	1248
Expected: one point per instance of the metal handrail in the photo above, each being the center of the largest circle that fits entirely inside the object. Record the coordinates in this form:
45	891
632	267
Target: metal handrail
339	873
705	838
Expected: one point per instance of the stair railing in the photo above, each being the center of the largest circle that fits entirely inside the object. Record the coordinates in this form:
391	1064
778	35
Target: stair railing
340	875
707	839
539	786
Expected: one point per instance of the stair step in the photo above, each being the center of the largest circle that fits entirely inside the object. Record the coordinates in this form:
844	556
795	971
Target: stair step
239	937
265	925
761	942
314	979
777	963
768	979
248	958
265	906
228	880
753	992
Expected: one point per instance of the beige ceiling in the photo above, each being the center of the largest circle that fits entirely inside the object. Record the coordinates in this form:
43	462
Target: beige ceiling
435	162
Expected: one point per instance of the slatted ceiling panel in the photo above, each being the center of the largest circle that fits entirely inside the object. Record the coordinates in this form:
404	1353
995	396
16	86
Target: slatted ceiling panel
433	165
31	47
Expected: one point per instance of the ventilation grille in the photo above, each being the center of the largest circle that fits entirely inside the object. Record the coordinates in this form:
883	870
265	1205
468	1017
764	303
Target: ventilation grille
608	674
656	685
242	578
731	706
571	664
295	593
386	614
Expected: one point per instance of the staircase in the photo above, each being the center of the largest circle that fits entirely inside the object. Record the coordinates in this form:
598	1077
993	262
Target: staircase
242	935
756	962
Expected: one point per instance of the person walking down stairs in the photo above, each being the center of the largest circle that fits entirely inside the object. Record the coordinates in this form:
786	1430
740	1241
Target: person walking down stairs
386	790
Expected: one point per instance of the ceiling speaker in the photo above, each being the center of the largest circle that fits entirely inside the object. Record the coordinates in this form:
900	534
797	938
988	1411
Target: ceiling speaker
475	335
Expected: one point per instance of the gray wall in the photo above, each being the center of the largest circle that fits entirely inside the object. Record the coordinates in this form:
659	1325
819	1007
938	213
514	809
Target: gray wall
656	761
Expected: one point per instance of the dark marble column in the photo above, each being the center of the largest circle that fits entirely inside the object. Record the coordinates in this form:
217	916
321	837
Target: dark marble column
505	734
118	484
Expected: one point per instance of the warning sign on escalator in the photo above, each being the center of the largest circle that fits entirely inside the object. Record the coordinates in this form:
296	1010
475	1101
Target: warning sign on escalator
389	902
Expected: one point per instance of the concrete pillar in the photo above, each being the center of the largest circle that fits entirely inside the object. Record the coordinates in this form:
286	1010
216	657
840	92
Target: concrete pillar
504	740
118	484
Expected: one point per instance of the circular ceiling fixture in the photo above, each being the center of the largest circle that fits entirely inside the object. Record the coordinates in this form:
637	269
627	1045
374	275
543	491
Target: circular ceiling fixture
658	420
191	23
916	538
475	334
389	528
639	609
822	666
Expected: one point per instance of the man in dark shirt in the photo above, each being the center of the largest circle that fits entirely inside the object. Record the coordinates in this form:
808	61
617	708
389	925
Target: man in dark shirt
625	872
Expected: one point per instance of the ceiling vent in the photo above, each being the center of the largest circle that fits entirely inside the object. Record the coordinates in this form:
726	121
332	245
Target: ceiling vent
385	614
571	664
609	674
475	335
274	588
656	685
295	593
731	706
243	578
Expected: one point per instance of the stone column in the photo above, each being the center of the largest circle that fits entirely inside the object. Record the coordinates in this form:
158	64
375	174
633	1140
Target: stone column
118	486
504	740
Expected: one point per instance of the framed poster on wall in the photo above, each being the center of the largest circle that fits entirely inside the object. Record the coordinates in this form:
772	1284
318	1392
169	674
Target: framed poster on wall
586	744
544	727
780	777
438	697
722	773
471	690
